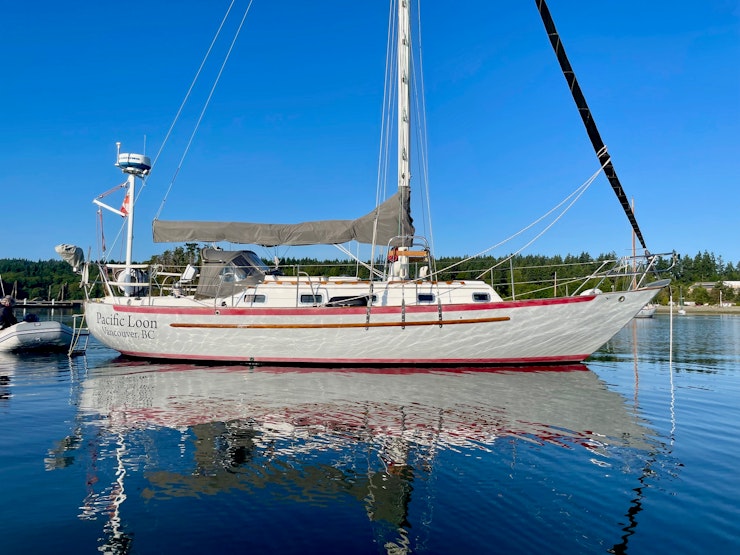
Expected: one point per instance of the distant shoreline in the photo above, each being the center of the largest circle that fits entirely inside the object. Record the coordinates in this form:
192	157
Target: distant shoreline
703	309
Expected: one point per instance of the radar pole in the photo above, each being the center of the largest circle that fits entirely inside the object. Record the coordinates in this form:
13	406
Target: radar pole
134	165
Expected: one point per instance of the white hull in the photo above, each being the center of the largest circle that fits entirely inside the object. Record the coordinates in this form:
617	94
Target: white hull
36	336
514	332
647	311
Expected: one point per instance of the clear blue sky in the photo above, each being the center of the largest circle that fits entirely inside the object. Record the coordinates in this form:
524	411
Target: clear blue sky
293	129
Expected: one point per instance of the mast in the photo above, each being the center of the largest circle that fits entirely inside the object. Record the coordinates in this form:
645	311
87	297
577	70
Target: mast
134	165
588	121
128	204
404	125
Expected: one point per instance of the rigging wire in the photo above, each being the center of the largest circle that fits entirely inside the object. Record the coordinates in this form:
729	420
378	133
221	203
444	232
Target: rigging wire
572	197
102	250
422	135
100	233
169	132
205	106
187	95
385	126
387	111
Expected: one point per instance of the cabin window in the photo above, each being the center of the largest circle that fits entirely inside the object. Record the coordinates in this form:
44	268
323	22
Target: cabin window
425	297
348	301
250	298
232	273
481	297
254	261
244	265
312	299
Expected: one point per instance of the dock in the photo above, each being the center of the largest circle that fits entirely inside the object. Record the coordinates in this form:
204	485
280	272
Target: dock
701	309
25	303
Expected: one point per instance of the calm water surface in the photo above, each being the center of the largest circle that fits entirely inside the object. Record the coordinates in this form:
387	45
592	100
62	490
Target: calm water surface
635	452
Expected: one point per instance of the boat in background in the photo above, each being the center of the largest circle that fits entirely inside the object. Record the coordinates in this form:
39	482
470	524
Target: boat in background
43	336
399	308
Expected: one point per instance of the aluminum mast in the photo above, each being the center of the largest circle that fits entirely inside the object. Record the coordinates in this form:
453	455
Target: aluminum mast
404	95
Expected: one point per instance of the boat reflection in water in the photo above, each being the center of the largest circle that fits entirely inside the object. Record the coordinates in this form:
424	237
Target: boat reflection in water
322	434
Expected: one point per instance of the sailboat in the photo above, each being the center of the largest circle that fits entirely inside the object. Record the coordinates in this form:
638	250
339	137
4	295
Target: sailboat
647	311
231	306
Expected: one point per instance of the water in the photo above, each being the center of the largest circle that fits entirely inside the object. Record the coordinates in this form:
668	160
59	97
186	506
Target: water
634	452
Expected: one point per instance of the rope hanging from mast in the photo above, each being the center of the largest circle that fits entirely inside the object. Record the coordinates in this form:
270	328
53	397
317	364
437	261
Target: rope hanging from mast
588	120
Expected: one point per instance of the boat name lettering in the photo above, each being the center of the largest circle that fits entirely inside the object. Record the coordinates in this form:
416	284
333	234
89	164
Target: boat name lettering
127	321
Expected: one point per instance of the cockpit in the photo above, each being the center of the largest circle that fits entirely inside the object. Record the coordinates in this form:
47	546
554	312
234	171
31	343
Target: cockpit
225	273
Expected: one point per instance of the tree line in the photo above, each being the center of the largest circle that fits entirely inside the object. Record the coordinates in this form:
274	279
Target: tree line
41	280
534	275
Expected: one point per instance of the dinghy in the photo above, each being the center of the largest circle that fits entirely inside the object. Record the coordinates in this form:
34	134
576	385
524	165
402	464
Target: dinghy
39	336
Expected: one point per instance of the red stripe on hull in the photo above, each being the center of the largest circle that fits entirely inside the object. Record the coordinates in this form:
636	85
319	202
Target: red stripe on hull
388	370
526	361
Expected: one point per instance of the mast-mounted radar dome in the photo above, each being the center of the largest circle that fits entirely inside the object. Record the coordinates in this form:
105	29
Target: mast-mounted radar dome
136	164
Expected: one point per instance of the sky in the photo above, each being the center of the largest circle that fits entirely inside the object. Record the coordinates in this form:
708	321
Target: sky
292	131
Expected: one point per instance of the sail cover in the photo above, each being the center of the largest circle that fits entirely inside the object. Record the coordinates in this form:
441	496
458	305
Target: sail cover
71	254
393	221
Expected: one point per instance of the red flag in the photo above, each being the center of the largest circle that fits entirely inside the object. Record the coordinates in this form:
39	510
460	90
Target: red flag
126	206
